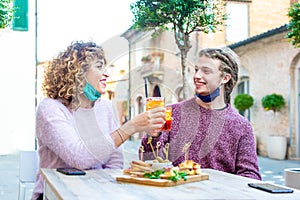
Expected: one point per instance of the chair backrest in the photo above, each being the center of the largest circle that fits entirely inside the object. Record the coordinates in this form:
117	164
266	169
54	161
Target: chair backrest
29	164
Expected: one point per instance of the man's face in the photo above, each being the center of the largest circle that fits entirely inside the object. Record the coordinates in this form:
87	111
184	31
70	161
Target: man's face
207	76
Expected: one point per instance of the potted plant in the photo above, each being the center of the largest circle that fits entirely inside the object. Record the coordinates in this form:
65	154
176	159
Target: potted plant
276	144
243	102
274	102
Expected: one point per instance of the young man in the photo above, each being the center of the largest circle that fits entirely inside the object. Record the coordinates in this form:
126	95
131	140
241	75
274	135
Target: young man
206	128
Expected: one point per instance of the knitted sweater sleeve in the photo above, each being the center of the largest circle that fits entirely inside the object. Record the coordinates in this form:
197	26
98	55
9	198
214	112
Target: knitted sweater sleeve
246	158
59	139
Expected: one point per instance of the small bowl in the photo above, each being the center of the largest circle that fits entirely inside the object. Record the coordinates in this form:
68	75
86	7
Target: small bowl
159	165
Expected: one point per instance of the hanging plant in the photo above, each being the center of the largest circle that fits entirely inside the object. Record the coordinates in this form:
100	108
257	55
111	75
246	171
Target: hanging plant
146	59
274	102
243	102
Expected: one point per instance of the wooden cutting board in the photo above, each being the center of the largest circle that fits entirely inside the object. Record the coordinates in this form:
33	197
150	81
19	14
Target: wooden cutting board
161	182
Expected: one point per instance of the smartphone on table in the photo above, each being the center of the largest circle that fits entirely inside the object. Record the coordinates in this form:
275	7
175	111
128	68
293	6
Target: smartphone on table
71	171
268	187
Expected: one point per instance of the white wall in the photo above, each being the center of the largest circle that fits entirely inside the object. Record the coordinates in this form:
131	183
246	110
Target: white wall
17	86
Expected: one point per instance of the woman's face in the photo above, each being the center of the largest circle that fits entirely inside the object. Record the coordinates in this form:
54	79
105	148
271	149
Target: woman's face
97	75
207	76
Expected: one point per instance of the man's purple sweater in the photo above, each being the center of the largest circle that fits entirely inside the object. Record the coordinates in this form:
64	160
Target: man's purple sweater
219	139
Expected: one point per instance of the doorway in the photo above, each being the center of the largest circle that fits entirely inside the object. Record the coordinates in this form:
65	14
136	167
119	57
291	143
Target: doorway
156	91
297	93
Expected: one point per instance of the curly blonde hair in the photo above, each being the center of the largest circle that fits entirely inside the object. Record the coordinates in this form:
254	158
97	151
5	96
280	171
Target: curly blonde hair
64	77
229	64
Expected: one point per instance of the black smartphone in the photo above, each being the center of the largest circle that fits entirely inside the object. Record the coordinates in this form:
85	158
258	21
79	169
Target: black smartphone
268	187
71	171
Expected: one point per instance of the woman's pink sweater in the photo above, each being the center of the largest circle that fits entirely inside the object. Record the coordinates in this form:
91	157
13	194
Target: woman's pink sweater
79	139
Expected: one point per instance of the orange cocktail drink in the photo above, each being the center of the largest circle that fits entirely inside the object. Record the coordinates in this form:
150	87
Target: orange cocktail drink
154	102
168	124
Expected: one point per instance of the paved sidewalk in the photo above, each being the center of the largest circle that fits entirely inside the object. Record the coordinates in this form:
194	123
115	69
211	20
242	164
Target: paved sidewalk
9	174
271	170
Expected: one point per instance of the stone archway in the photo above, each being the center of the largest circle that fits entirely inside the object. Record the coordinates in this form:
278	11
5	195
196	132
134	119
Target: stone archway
294	108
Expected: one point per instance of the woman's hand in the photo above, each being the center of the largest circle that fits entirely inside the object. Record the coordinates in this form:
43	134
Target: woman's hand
150	121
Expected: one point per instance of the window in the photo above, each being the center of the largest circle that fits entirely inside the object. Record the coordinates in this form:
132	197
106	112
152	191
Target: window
243	88
156	91
237	22
243	84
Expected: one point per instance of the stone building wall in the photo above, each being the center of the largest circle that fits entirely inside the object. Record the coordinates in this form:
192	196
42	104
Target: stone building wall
269	62
266	15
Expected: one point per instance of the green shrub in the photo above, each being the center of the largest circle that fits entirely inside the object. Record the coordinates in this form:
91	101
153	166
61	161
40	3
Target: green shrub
243	102
273	102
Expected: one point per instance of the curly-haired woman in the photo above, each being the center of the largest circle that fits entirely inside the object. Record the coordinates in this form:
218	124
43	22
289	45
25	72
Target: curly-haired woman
74	126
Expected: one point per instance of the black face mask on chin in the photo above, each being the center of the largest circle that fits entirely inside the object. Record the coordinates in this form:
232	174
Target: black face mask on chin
210	97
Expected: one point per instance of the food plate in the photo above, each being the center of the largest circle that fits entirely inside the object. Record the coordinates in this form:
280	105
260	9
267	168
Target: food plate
161	182
158	165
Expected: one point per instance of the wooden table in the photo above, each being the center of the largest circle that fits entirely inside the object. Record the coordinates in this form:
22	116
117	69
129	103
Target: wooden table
102	184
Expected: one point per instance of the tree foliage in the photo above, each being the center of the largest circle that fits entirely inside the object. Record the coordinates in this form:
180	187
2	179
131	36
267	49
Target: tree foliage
182	17
6	13
294	24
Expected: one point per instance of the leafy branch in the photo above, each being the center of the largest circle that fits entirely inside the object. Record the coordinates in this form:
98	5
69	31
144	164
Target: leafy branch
6	13
294	25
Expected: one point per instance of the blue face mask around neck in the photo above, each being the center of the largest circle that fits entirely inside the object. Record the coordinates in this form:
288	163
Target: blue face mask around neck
90	92
210	97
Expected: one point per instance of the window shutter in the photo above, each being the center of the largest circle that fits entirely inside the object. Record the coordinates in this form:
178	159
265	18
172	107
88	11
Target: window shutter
20	18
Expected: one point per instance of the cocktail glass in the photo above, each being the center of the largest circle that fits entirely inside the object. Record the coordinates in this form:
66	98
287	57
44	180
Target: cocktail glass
168	124
154	102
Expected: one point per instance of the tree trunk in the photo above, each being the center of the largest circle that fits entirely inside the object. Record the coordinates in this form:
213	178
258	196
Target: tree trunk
184	45
184	69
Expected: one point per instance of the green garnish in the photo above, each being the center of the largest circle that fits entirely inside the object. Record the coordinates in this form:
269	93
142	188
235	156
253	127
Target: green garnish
154	175
178	176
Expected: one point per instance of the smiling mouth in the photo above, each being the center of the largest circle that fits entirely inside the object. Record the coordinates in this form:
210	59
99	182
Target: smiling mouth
103	82
199	83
